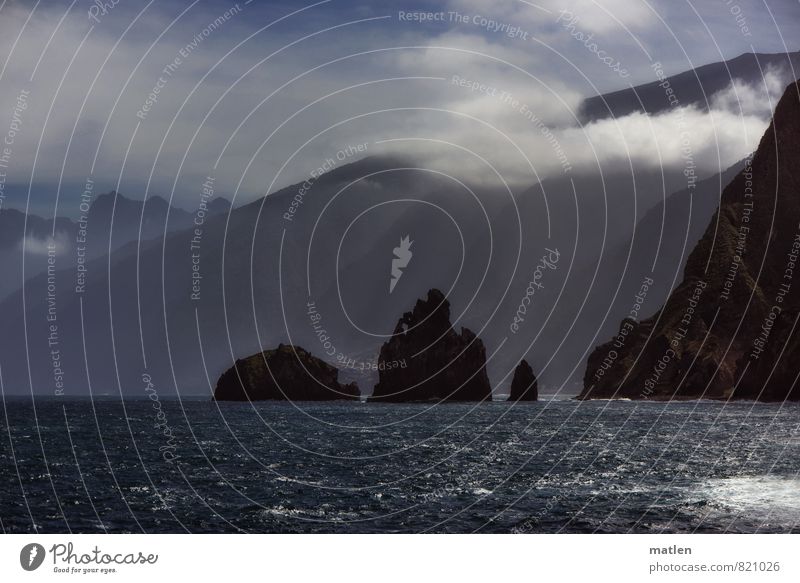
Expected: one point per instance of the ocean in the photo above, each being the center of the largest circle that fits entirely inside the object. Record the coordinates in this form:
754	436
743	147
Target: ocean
190	465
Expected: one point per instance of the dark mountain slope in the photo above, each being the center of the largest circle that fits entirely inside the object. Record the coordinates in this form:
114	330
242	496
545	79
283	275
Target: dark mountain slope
730	323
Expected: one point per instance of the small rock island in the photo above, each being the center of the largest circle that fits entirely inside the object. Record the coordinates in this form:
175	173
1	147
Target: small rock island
524	386
441	364
287	373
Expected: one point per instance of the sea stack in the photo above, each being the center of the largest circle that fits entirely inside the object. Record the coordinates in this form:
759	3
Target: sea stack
287	373
524	386
426	360
728	331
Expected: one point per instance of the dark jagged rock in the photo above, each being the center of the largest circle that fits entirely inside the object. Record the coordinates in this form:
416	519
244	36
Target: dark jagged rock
426	360
286	373
726	331
524	386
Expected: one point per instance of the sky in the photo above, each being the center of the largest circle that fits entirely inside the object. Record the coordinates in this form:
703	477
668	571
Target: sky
152	98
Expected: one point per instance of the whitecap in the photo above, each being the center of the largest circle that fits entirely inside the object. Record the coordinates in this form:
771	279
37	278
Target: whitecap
755	494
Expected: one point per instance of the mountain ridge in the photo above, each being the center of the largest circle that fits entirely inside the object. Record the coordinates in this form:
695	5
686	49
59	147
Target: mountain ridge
692	87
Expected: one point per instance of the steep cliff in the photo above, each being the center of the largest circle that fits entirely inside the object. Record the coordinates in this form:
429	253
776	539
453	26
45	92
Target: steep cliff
728	330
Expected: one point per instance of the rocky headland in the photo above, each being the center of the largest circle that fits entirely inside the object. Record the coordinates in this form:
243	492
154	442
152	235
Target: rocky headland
729	330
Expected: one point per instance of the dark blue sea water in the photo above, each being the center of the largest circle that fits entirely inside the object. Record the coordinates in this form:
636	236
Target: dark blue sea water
552	466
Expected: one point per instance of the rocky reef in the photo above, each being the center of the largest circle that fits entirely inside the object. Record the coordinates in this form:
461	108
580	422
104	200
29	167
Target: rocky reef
524	386
437	363
729	330
287	373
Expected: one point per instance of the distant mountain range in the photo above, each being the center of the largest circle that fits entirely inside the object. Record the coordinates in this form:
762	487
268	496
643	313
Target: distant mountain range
183	307
112	221
253	291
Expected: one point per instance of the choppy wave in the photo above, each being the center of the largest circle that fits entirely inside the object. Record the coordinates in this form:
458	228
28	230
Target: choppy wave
554	466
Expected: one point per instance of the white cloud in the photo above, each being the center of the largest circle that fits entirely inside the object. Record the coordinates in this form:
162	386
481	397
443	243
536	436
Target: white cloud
534	77
34	245
717	139
757	99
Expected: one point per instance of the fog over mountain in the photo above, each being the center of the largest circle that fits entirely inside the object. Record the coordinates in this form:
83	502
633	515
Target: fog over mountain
26	241
310	265
545	191
758	79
